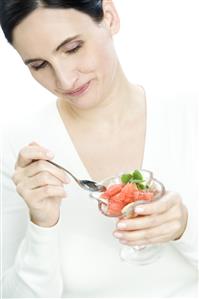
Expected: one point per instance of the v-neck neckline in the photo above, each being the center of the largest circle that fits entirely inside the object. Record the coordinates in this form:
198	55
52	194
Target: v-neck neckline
70	147
69	155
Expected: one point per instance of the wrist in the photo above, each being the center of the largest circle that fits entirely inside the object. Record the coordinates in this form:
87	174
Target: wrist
44	223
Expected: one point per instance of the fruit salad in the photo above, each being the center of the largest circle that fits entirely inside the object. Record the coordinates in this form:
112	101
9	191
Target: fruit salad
119	196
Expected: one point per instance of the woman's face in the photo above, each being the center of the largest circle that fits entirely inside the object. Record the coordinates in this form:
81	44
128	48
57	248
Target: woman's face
69	54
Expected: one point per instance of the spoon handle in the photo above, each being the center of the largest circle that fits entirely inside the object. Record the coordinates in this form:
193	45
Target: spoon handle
59	166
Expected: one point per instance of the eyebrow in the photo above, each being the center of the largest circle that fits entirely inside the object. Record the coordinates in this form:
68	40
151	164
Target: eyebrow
66	41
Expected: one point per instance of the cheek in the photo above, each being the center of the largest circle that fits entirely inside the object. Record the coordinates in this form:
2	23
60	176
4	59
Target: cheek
106	62
44	79
99	60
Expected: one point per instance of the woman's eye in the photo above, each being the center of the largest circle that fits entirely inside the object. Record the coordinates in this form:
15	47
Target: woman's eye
73	48
40	66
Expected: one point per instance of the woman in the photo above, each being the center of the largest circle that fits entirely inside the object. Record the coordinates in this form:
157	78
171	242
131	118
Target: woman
98	128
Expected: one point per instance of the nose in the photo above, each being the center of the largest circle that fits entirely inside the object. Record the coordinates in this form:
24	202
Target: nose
65	79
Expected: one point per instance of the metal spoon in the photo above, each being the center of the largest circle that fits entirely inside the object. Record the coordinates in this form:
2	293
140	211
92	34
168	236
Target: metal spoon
85	184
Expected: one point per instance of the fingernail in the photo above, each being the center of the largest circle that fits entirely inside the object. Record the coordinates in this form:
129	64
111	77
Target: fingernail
122	225
117	235
139	209
49	154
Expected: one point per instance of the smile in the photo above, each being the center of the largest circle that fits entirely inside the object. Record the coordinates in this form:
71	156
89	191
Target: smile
79	91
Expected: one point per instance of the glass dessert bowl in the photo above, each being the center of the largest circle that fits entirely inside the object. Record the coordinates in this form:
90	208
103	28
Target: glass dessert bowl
123	193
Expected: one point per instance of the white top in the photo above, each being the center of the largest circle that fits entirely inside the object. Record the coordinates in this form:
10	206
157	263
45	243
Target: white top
79	257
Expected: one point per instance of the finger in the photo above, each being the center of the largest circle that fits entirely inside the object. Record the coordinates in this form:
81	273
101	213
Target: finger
30	153
43	166
42	179
144	222
18	175
159	206
147	234
43	193
156	240
49	191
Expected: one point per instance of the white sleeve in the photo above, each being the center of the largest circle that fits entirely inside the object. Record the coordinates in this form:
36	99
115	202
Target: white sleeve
188	243
188	173
30	263
174	143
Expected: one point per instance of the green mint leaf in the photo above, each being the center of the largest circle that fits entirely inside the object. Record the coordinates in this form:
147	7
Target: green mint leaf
135	181
137	175
125	178
141	186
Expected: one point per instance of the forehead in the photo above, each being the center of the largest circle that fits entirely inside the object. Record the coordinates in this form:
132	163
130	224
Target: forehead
46	27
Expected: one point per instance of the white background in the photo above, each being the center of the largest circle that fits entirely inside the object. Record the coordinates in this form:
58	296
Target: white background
158	46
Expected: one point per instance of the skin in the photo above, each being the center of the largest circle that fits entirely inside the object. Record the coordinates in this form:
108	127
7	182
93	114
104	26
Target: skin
66	71
107	110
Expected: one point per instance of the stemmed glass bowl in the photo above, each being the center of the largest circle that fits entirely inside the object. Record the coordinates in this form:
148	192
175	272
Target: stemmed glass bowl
140	255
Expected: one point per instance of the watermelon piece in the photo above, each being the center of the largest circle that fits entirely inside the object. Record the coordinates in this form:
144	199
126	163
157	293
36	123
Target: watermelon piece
115	207
145	195
116	197
114	189
129	188
132	197
120	195
105	195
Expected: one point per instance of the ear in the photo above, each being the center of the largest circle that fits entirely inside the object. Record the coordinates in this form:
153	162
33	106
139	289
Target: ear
111	19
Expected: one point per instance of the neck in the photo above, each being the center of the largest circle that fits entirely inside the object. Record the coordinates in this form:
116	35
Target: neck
110	110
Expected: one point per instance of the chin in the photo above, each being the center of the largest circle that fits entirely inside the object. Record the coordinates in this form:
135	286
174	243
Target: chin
83	104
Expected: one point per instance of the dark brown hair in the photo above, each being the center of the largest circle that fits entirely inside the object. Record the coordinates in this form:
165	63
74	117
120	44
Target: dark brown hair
12	12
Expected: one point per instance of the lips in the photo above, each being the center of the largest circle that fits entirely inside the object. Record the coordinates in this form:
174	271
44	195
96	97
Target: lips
79	91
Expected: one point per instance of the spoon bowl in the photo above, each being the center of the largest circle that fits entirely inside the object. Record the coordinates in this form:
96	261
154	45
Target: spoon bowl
90	186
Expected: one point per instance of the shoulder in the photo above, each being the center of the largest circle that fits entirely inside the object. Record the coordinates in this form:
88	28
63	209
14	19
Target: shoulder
173	135
173	106
171	102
